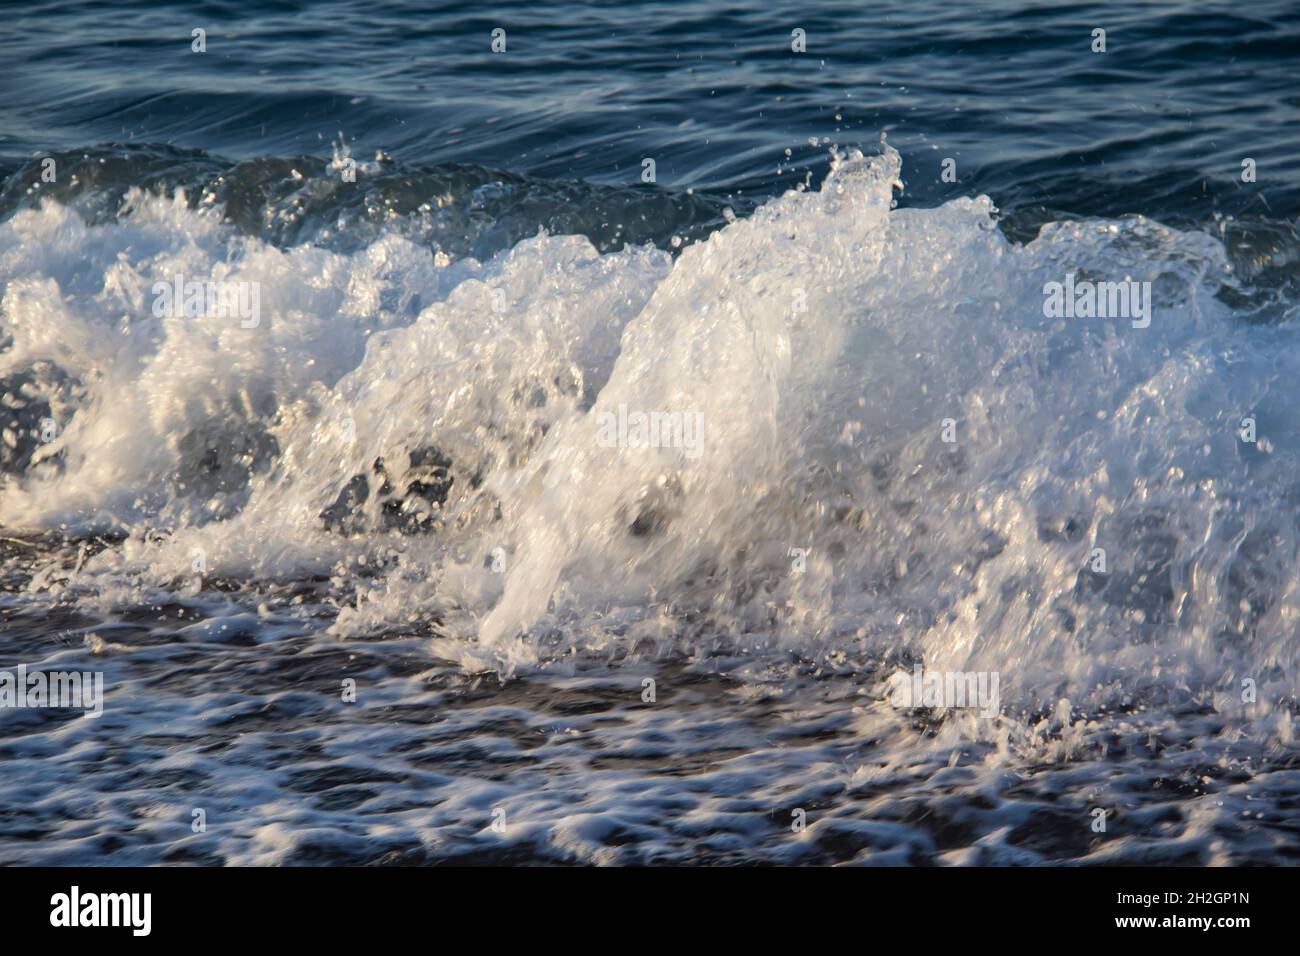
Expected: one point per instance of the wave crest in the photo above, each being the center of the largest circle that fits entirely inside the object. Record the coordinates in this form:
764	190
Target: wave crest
424	431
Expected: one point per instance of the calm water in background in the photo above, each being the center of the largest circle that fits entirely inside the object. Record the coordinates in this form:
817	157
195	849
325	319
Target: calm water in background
1158	124
224	690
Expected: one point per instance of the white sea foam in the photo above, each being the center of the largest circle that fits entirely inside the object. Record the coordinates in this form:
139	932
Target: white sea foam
829	344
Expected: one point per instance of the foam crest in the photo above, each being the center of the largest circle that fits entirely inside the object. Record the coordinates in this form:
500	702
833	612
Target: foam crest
835	428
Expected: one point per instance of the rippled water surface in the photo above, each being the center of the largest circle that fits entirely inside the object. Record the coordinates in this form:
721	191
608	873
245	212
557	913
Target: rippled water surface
366	586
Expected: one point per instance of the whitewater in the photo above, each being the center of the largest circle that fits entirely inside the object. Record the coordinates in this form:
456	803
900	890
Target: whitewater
646	652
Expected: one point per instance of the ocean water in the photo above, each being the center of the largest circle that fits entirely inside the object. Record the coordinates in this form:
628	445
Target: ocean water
376	570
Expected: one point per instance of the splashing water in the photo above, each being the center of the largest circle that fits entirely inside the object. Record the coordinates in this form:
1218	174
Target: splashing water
424	432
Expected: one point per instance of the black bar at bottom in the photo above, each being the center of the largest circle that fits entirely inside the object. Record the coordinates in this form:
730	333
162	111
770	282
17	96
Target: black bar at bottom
334	906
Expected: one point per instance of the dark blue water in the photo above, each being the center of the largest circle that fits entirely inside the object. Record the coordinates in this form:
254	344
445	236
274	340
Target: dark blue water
1159	124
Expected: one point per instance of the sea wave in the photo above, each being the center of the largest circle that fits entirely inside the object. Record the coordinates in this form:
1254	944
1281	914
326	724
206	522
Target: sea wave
902	457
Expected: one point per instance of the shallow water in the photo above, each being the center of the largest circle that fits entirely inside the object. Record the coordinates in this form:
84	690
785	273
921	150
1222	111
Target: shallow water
397	475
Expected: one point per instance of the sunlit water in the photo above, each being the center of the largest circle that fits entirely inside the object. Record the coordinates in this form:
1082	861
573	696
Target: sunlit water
567	649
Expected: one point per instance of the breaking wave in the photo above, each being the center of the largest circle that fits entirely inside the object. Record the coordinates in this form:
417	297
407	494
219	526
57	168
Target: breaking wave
903	459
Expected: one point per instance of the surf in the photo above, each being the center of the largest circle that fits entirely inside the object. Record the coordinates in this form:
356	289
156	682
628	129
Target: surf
880	390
